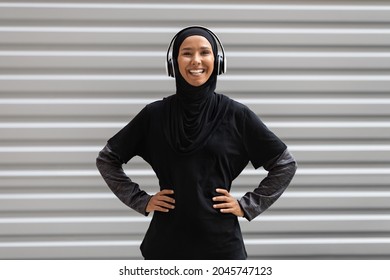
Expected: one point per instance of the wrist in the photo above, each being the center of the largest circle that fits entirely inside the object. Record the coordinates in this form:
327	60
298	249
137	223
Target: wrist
241	213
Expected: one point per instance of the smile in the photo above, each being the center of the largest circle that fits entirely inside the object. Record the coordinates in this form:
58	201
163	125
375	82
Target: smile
197	72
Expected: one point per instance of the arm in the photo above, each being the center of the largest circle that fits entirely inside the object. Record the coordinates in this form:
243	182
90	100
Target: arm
260	144
281	170
110	167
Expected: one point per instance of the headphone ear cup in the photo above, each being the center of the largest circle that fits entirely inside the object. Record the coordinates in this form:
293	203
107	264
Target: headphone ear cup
169	67
220	65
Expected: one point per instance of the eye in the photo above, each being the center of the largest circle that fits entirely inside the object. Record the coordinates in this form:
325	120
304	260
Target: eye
186	53
206	52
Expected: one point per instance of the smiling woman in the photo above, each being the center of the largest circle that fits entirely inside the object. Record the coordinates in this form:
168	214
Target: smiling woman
197	142
196	60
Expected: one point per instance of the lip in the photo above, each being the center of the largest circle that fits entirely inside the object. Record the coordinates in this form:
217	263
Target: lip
197	71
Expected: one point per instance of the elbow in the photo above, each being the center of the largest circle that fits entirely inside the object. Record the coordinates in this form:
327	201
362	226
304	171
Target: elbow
295	165
290	171
99	162
290	160
102	159
295	169
107	158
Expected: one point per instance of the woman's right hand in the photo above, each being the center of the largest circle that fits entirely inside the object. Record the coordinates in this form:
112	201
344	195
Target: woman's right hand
161	201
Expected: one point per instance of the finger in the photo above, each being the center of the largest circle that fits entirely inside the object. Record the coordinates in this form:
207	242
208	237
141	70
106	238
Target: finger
223	191
161	200
224	197
233	210
165	205
152	206
223	206
227	210
221	199
160	209
158	204
166	192
166	199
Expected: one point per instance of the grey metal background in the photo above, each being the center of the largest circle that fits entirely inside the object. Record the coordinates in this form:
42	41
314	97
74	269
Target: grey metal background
73	73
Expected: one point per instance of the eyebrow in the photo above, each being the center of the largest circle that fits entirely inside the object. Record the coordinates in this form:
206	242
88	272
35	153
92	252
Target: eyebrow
191	48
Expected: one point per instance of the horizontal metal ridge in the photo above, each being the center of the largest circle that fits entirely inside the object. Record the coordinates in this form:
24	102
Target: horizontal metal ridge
293	148
203	11
308	124
67	220
140	219
170	30
319	240
136	85
227	6
109	195
249	241
85	154
155	35
286	130
131	225
149	172
161	54
152	60
124	106
135	77
74	243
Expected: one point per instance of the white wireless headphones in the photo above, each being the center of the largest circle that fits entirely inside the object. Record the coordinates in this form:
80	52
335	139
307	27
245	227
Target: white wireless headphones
220	62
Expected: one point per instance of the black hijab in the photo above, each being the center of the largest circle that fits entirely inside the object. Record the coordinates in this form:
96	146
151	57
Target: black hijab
193	113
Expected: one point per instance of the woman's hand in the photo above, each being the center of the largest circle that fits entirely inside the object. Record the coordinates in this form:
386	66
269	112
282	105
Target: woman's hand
227	203
161	202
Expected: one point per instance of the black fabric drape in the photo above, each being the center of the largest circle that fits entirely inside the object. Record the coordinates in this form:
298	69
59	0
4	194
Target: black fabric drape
193	113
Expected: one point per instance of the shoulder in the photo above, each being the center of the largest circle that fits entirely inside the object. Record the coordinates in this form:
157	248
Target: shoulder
240	108
159	104
233	104
235	108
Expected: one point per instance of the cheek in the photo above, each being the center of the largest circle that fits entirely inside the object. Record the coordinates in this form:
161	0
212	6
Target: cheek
182	66
210	64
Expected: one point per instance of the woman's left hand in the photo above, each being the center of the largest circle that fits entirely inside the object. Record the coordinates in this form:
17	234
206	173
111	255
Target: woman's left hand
227	203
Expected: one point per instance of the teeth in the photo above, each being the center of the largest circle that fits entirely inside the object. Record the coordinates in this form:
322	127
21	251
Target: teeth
197	71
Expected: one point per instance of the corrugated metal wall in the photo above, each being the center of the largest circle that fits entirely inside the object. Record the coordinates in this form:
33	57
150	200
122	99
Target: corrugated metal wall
73	73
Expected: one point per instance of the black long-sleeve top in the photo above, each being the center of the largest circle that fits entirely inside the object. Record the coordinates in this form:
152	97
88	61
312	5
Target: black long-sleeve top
194	229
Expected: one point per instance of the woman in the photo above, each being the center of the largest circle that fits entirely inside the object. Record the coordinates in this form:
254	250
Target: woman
197	142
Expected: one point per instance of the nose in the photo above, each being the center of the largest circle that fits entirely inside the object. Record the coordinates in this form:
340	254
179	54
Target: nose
196	59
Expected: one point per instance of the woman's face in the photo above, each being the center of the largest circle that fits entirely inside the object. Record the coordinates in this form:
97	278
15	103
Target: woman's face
196	60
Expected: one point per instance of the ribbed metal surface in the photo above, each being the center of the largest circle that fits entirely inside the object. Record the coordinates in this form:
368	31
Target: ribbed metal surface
73	73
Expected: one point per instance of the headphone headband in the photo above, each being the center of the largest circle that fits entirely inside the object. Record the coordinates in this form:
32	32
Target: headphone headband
221	60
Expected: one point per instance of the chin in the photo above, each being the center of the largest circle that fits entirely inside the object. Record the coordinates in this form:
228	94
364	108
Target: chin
197	84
